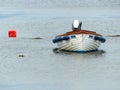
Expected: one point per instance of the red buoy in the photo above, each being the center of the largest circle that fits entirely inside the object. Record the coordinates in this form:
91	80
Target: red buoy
12	33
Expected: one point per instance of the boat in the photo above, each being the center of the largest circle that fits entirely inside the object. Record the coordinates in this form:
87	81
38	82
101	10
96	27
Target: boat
79	40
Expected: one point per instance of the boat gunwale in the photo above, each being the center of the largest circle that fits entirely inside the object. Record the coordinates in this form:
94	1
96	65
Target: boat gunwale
79	32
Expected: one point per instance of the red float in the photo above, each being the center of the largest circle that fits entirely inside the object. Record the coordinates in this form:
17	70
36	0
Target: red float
12	33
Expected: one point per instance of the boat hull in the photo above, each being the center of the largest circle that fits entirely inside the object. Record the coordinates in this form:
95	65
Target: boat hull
79	43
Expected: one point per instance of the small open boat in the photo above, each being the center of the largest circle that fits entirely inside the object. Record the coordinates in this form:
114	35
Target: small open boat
79	40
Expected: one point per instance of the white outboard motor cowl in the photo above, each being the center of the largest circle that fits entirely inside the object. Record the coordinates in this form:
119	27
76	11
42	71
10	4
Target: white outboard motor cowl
76	24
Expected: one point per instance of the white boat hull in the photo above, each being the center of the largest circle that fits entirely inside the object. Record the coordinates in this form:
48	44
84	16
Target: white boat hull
81	43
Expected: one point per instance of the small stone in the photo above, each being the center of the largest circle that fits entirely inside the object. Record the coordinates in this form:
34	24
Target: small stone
21	55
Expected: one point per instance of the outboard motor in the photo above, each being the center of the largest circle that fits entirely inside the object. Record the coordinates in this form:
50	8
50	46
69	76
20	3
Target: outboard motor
76	25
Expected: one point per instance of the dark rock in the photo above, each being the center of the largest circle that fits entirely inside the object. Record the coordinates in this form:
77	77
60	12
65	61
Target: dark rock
21	55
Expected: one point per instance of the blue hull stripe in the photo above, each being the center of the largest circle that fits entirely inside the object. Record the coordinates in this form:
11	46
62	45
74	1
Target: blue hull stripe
81	51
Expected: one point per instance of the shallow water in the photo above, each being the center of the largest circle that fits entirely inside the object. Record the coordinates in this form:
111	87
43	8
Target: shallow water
44	68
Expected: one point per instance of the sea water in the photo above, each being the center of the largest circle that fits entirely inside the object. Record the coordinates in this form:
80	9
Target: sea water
41	67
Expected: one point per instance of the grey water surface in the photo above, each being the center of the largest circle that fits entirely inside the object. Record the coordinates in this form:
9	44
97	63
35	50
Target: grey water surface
31	62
